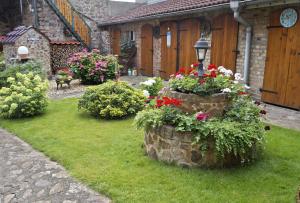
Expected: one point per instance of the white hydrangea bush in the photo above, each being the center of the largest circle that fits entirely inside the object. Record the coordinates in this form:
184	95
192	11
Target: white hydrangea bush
25	96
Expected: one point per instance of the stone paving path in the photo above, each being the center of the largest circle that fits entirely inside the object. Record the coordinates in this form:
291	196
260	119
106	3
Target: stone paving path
283	117
27	176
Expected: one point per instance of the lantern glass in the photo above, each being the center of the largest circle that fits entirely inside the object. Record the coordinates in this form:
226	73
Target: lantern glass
201	48
201	53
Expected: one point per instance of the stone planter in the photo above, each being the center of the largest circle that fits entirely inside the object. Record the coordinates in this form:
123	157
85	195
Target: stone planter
167	145
192	103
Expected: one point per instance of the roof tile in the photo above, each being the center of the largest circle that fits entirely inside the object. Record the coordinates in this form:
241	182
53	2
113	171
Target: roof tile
163	7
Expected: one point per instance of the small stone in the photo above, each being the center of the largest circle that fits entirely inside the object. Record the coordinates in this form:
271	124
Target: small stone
61	174
8	198
42	183
27	193
40	193
69	201
56	188
16	172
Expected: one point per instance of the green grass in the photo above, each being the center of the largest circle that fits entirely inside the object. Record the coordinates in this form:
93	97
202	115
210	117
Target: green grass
107	156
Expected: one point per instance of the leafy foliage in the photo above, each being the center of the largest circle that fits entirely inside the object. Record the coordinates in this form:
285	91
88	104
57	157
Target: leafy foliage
92	67
2	62
153	86
25	68
112	100
25	96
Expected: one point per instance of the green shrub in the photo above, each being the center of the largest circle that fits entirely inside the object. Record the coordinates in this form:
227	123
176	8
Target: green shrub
152	86
11	71
2	62
25	96
112	100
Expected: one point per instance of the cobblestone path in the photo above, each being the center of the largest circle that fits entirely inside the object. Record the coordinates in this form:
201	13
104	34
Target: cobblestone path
27	176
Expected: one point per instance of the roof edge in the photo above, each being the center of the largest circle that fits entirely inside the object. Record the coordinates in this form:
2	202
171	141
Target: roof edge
170	14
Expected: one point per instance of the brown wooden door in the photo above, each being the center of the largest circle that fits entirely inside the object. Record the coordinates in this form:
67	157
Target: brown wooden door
224	41
189	34
116	41
147	50
282	70
168	49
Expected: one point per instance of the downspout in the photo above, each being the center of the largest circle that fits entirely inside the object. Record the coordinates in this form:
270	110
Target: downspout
235	6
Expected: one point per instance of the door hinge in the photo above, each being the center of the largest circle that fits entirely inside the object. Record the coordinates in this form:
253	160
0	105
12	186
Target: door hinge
268	91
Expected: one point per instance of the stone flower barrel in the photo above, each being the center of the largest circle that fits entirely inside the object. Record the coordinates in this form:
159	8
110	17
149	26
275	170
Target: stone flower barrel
214	104
167	145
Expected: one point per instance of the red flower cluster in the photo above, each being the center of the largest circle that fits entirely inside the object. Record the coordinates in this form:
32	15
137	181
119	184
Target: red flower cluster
166	101
185	71
212	67
212	74
213	71
242	93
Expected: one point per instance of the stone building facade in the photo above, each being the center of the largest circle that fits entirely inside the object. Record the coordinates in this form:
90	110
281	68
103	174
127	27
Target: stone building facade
257	16
37	43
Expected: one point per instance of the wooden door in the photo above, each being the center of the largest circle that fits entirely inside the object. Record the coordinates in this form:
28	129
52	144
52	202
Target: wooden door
282	69
147	50
224	41
189	34
116	41
168	49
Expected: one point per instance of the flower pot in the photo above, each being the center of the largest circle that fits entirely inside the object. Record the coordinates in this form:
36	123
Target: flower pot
167	145
214	105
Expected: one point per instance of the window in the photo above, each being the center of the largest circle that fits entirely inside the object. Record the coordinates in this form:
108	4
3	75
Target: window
169	39
132	35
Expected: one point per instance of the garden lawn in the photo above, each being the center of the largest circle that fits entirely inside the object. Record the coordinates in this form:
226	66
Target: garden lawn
108	156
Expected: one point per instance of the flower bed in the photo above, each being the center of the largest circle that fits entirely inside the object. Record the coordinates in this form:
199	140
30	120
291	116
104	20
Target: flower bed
207	121
93	68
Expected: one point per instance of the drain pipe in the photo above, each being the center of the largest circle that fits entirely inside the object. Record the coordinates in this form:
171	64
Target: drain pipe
235	6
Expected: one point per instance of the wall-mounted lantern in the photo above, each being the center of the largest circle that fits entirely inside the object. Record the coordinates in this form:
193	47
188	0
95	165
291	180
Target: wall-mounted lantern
201	48
23	53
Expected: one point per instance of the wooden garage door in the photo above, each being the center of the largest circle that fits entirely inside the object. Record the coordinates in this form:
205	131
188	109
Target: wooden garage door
147	50
189	34
282	71
116	38
224	41
168	48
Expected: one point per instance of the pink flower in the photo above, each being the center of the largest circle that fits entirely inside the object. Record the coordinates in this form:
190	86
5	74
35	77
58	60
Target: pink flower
202	116
179	76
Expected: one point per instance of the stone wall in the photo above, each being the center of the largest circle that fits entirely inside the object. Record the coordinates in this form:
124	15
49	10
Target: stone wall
38	45
94	12
214	105
60	54
167	145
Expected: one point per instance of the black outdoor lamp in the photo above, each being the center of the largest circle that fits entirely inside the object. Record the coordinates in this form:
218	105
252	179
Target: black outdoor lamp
201	47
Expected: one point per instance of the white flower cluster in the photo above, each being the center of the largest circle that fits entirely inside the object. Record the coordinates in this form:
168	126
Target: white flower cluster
146	93
149	82
226	72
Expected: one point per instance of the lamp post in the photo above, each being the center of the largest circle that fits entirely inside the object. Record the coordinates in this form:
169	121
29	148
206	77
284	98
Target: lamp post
201	47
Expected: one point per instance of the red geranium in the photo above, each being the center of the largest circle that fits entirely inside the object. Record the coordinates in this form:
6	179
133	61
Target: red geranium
201	82
212	67
167	101
242	93
213	74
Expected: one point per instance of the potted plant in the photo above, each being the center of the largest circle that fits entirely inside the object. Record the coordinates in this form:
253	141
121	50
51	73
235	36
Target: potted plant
205	122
